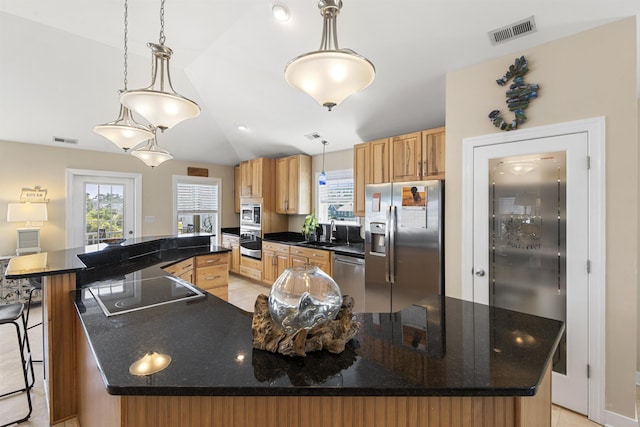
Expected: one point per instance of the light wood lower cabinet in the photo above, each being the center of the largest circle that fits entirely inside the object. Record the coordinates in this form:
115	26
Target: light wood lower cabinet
212	274
251	268
275	260
318	257
182	269
231	241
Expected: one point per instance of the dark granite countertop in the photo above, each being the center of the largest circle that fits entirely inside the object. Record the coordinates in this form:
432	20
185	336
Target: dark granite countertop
355	249
96	261
441	346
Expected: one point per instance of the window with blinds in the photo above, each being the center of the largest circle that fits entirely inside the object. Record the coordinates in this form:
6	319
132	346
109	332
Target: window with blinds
335	199
197	204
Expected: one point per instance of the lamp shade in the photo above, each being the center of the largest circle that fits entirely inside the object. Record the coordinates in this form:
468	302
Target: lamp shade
124	131
330	76
151	154
27	212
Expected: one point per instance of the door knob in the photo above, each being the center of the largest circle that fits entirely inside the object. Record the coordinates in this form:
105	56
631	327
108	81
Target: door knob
480	273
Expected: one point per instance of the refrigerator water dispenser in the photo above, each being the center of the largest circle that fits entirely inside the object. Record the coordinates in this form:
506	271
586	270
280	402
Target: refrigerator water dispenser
378	230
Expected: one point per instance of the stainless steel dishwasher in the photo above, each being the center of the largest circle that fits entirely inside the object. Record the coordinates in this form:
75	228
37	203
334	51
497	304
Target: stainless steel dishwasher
348	272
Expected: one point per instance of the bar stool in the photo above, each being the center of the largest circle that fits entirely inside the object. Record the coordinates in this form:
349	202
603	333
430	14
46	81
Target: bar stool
36	286
13	313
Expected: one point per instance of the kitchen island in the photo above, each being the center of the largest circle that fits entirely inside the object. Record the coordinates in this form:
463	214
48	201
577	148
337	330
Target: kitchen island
441	361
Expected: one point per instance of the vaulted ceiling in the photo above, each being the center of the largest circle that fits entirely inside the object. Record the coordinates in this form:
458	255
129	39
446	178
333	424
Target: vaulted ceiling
61	66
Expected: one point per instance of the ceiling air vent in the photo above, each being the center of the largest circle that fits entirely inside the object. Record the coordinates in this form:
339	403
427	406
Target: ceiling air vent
65	140
513	31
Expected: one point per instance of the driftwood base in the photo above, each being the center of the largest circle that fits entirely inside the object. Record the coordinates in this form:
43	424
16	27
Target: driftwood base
332	335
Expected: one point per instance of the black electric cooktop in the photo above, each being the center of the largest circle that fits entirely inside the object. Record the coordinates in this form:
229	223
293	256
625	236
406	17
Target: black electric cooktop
124	296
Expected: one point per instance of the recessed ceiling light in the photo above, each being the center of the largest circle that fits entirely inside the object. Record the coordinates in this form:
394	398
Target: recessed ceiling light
280	12
242	127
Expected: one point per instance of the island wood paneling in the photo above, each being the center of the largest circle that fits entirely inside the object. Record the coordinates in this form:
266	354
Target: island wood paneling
60	346
356	411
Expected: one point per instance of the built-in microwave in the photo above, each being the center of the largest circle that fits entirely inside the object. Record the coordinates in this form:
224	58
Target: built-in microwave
250	214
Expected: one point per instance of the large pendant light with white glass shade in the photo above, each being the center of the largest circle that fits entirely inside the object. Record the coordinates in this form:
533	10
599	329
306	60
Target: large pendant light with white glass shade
330	74
151	154
159	103
125	132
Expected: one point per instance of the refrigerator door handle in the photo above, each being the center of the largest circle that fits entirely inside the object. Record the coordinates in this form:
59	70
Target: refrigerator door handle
392	244
387	275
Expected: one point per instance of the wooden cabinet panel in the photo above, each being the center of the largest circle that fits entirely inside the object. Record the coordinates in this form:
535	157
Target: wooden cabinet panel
406	160
231	241
293	185
256	177
360	176
251	268
182	269
212	259
433	153
236	188
318	257
378	162
275	260
212	277
245	179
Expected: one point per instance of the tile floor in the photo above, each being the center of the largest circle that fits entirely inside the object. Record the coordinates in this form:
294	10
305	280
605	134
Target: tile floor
242	293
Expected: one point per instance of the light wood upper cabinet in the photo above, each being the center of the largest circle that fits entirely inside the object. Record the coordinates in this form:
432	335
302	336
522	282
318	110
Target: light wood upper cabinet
255	176
378	161
236	188
433	153
418	155
406	161
361	172
293	185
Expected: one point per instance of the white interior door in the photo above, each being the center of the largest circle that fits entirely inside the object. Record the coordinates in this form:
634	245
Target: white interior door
101	206
531	243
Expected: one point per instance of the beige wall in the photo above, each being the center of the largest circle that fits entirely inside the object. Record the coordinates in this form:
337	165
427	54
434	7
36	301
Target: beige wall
26	165
587	75
336	160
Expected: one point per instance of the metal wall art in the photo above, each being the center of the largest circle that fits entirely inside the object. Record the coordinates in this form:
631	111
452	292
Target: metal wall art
518	95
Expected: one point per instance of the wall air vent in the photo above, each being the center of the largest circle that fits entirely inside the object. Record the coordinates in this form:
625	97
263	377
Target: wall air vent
312	136
65	140
513	31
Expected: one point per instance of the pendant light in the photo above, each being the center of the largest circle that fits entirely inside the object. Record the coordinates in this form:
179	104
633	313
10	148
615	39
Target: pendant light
159	103
323	176
151	154
124	131
330	74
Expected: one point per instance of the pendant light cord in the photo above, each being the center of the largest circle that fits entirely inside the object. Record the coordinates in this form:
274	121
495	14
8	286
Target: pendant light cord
162	36
126	39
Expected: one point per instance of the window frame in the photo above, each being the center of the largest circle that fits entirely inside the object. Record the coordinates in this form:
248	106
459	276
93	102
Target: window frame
182	179
341	175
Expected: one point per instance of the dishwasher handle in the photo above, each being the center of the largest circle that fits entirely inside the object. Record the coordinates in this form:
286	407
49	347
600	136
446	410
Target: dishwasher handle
348	260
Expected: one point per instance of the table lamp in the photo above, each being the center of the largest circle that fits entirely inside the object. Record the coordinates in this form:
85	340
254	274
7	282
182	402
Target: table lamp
33	215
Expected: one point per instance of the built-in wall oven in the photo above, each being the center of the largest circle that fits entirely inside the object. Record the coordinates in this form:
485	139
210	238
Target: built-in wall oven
251	230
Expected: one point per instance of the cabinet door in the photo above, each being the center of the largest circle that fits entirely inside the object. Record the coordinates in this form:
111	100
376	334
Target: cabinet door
282	263
433	153
268	267
256	177
406	157
234	265
378	162
293	164
282	187
245	179
236	188
297	260
360	176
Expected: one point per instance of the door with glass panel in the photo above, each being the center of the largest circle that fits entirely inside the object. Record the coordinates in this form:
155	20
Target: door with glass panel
103	210
531	245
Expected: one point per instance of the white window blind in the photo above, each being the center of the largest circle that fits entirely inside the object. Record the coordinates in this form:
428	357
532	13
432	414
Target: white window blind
196	198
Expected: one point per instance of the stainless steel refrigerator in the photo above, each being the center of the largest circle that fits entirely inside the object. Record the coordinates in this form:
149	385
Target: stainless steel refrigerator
403	244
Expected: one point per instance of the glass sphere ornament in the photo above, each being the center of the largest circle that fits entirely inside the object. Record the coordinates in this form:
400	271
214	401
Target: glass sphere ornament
303	297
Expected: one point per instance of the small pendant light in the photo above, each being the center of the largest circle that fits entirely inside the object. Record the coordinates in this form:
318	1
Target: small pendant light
151	154
124	131
323	176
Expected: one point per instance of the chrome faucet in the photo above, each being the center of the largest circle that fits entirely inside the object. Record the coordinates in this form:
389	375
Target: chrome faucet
332	228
